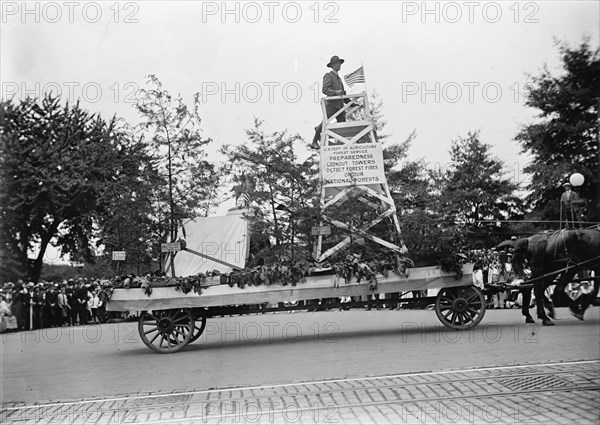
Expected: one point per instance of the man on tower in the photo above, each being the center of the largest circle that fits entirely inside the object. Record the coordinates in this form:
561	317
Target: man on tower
332	86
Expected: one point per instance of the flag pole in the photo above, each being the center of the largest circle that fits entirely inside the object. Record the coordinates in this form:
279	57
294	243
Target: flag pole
365	107
365	78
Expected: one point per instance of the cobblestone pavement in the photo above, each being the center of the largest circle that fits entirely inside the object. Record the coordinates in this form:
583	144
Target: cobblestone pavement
566	392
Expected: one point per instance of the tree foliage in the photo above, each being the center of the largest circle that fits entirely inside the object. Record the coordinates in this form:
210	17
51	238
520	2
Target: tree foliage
565	138
474	187
284	189
190	182
61	168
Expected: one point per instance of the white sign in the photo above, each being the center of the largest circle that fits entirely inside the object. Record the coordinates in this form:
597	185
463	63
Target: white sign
118	255
355	164
170	247
321	230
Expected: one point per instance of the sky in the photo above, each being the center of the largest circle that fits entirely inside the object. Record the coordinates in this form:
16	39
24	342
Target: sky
442	69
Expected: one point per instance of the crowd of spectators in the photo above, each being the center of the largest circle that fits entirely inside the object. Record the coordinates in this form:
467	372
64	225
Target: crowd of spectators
82	301
26	306
492	267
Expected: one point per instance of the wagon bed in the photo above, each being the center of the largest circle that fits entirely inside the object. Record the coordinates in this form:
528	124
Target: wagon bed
171	319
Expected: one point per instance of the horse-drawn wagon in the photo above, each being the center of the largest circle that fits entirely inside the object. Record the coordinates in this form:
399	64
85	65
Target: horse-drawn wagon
172	316
352	179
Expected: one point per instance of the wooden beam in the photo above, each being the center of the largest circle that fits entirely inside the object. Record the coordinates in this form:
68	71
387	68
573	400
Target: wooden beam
216	260
329	286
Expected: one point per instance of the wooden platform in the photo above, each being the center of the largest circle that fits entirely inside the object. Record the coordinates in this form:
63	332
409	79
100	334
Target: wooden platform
315	287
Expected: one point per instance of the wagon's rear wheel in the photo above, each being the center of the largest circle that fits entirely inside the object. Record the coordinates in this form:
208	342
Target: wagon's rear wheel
199	326
166	331
460	307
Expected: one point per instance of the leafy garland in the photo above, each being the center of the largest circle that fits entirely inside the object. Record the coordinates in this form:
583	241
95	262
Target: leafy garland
286	272
351	265
183	284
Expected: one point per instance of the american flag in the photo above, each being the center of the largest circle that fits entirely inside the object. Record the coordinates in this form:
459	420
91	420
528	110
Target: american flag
355	77
244	200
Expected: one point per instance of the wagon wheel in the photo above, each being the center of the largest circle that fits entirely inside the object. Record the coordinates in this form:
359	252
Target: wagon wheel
199	326
460	307
166	331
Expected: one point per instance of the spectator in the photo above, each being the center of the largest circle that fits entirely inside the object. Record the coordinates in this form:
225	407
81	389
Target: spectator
4	307
8	321
103	295
51	305
494	270
73	303
8	292
82	298
63	306
94	304
37	302
17	303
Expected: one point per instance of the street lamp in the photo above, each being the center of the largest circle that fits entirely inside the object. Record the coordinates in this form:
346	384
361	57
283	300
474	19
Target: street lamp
576	179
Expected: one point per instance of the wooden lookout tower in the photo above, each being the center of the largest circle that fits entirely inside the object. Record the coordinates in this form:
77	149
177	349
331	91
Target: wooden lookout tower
351	164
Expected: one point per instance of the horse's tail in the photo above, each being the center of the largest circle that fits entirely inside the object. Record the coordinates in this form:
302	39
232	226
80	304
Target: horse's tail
520	256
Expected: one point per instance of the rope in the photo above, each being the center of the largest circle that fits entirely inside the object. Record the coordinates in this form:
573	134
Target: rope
562	270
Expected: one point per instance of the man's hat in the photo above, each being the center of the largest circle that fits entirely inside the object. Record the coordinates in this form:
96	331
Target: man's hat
30	284
334	59
567	184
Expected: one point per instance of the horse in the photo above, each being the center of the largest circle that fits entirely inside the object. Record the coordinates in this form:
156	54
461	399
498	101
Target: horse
562	254
523	248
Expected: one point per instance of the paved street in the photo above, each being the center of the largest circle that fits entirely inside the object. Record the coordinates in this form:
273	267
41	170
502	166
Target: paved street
325	367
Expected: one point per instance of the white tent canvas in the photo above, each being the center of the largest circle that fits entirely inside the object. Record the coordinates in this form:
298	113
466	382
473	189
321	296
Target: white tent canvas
222	238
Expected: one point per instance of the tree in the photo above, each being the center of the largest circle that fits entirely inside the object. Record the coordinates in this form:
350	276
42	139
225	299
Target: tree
409	181
565	138
60	169
126	223
284	189
474	187
189	182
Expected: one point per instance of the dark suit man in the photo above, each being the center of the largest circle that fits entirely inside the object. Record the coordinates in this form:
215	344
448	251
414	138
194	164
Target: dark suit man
50	307
566	200
82	298
332	86
37	300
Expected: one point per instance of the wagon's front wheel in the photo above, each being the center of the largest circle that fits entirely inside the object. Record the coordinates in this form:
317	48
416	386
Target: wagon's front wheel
166	331
460	307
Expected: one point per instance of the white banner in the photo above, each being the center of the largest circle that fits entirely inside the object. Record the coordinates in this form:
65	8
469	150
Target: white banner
224	238
356	164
